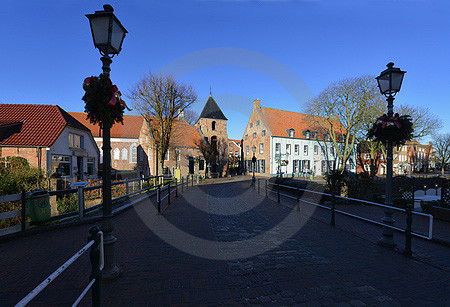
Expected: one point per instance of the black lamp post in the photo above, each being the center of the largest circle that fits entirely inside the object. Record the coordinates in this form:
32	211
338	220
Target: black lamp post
389	83
108	34
254	166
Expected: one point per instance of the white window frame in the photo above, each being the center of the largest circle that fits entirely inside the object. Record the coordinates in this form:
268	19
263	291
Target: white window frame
124	154
296	149
278	148
116	154
305	150
261	148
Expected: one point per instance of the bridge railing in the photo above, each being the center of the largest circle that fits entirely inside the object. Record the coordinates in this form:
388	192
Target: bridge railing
97	262
275	188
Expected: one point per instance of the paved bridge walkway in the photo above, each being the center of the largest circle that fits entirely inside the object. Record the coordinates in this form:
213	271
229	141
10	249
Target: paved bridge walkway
225	244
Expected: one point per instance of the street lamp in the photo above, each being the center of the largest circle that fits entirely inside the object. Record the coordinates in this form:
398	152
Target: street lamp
108	34
389	83
254	166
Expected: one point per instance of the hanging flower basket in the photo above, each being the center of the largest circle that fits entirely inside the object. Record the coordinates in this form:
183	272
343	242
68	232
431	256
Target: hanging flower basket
398	129
104	104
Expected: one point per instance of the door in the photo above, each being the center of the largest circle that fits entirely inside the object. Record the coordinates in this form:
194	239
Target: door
80	168
191	165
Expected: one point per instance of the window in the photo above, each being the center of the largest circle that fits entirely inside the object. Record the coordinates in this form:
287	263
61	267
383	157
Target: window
305	150
251	125
262	166
332	150
116	154
261	148
367	156
246	150
295	166
254	149
213	125
61	164
254	135
288	149
326	137
257	123
246	137
201	165
305	165
296	149
124	154
231	152
277	148
90	166
166	156
231	144
316	149
291	132
76	141
263	133
237	153
133	153
177	154
307	134
141	154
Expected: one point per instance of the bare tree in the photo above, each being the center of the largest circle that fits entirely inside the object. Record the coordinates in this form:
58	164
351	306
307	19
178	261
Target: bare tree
214	153
190	116
344	109
160	99
442	149
424	122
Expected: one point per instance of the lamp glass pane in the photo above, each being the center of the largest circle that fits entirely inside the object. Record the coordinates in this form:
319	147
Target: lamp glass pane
99	25
117	36
397	78
383	83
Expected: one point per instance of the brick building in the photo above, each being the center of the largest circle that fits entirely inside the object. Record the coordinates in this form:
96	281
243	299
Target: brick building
410	158
127	153
286	142
49	138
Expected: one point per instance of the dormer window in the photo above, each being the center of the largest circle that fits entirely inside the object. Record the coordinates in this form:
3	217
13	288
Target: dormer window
291	132
307	134
326	137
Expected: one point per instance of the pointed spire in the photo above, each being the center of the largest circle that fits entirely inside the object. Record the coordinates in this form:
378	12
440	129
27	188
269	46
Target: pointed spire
212	110
210	91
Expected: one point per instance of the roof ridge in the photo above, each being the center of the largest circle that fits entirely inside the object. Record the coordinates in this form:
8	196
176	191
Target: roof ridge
286	111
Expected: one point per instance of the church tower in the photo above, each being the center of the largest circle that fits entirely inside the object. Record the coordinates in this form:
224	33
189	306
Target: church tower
212	123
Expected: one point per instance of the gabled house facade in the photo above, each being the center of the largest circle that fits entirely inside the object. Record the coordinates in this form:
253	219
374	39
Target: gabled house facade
49	138
287	143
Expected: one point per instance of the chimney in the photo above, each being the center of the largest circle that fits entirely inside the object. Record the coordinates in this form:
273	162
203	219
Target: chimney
257	103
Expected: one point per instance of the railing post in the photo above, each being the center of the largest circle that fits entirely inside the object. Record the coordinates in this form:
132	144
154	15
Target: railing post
278	192
140	183
407	252
158	198
80	202
298	199
154	181
333	210
266	186
95	263
176	187
182	182
168	193
24	210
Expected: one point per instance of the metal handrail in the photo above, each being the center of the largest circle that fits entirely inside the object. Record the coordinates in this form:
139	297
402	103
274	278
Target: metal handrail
61	269
430	226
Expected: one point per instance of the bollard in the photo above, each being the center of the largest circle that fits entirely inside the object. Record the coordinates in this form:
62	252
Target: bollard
278	192
298	199
168	193
158	198
95	263
333	210
176	187
266	186
407	252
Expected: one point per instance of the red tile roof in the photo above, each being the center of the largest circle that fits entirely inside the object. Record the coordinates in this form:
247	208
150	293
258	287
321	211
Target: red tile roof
184	134
42	124
279	121
130	128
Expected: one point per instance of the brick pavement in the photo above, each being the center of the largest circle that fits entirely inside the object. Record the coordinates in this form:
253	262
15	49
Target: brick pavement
317	265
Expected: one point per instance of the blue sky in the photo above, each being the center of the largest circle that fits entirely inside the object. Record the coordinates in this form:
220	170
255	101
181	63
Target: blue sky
282	52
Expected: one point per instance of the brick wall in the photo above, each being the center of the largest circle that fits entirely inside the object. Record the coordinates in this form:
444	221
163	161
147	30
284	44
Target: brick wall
34	156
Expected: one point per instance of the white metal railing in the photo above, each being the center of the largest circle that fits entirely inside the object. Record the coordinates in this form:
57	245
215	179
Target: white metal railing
430	217
62	268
